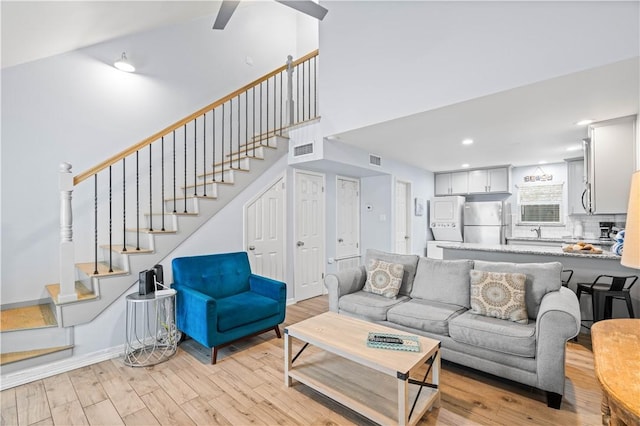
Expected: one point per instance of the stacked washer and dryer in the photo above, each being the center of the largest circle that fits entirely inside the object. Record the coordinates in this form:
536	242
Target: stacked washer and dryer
445	221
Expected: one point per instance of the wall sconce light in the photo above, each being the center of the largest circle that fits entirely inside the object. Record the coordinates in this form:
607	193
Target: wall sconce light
123	64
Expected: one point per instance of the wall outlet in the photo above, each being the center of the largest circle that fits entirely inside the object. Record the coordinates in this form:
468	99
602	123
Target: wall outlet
331	260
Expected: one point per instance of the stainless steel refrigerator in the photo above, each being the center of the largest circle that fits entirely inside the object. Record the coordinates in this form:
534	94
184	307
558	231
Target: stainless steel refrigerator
487	222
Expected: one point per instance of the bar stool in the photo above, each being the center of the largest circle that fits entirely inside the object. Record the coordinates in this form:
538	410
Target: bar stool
603	290
565	276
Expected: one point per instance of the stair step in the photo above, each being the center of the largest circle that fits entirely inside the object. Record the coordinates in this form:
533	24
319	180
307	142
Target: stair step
82	291
203	183
147	231
8	358
27	317
249	148
89	268
219	171
176	213
119	248
192	197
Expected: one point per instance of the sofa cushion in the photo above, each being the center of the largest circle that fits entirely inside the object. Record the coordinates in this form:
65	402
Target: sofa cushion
445	281
495	334
542	278
244	308
369	305
383	278
408	261
499	295
425	315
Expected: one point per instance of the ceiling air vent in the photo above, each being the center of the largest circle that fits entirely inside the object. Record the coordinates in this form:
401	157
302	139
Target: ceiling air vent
303	149
375	160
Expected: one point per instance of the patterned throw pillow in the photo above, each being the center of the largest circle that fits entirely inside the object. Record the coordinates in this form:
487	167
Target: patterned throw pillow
499	295
383	278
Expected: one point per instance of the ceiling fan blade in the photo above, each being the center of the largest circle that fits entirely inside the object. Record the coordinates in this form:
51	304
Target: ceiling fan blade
224	14
306	6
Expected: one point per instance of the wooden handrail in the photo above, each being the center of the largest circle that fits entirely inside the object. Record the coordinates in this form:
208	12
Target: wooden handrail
147	141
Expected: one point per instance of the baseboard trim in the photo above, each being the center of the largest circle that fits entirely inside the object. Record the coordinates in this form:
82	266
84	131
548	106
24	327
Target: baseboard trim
51	369
291	301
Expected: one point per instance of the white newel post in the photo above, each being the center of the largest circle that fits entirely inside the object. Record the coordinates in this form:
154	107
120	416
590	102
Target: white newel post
290	105
67	256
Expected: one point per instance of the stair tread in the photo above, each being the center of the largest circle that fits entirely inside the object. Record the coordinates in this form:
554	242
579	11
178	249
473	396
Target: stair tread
189	197
218	182
82	291
204	175
27	317
177	213
103	269
248	148
155	231
119	248
9	357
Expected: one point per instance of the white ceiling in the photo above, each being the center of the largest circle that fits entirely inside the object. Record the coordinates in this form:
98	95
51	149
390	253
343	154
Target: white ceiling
520	127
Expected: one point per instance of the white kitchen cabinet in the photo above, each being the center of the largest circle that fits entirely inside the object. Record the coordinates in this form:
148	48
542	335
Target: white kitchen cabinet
528	242
610	164
483	181
453	183
575	186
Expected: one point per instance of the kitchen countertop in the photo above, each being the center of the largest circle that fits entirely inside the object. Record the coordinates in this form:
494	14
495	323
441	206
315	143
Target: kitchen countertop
525	249
565	240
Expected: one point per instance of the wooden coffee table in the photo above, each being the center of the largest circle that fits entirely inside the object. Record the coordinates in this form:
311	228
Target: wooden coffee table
376	383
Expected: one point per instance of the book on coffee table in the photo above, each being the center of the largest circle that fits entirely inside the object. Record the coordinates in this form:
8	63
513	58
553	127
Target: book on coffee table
397	342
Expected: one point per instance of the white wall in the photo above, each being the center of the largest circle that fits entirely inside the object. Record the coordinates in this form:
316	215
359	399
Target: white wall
76	107
383	59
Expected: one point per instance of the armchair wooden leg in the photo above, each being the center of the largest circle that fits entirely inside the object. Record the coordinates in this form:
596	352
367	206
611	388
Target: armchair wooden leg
277	329
214	355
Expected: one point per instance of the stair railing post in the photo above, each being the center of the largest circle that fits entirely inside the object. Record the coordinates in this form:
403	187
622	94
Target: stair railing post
67	255
290	103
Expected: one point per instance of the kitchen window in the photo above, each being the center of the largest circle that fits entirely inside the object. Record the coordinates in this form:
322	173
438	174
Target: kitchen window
540	204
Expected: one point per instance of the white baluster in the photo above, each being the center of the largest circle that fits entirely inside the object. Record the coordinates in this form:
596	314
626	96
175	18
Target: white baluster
67	255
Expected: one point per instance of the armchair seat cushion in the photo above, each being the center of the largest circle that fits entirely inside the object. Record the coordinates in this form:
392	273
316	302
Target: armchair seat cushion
244	308
496	334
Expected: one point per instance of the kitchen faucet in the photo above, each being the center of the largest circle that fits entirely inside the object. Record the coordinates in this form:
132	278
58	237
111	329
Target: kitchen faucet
538	231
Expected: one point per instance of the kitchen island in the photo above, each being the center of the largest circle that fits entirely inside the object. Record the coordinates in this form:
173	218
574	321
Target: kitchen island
586	266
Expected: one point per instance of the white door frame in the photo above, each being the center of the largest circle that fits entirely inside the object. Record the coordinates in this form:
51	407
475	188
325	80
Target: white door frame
296	172
263	191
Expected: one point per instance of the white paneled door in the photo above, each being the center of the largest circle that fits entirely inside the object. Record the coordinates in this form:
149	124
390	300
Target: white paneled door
309	235
402	232
264	232
347	217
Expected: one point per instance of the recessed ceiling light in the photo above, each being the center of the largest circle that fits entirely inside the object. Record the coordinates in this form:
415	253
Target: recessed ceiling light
467	142
584	122
465	165
574	148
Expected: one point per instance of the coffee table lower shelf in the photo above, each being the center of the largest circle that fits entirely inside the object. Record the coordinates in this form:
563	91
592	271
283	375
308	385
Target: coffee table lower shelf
371	393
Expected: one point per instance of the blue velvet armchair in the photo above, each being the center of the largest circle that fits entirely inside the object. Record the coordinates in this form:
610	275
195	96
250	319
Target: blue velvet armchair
220	301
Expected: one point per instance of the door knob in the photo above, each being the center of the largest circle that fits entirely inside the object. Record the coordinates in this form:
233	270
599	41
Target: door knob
252	247
340	240
300	243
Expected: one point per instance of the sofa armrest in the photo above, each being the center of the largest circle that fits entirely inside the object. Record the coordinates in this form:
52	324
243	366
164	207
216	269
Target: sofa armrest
196	314
558	321
344	282
267	287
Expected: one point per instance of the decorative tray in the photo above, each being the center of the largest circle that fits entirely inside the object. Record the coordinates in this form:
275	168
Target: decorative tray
581	248
409	343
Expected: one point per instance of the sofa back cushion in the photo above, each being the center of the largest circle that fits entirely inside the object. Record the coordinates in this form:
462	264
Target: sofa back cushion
217	275
445	281
542	278
408	261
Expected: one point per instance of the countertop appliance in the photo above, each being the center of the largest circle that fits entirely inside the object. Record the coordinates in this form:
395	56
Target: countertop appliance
445	217
487	222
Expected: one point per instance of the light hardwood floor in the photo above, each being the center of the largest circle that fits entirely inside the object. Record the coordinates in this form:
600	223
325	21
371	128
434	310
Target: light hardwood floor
246	387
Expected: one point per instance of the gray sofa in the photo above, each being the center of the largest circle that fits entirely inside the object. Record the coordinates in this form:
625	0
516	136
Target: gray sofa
434	301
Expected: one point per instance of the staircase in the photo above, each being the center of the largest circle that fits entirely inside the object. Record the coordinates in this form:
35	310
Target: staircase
150	198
